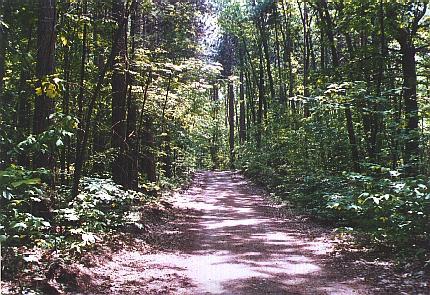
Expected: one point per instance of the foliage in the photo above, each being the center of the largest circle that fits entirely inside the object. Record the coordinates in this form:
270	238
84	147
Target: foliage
101	206
324	102
168	112
21	192
70	227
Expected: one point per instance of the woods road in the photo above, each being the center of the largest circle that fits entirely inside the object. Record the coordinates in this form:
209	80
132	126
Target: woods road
232	242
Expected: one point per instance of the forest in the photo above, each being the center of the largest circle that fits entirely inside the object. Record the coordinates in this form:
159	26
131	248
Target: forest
111	110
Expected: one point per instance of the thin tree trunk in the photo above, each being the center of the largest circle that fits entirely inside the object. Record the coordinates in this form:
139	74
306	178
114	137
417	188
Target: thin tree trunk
352	140
311	49
132	141
65	158
265	43
214	148
411	106
80	159
304	18
305	54
326	19
242	110
3	45
231	122
24	104
250	94
146	137
282	94
82	80
147	162
261	99
286	36
119	98
322	49
377	119
44	106
167	159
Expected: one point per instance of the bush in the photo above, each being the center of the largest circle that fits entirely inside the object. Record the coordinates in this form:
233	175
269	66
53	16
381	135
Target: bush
24	206
30	220
391	210
101	205
395	211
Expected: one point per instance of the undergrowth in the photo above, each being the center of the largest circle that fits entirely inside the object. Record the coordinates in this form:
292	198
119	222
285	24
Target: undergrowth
388	211
40	225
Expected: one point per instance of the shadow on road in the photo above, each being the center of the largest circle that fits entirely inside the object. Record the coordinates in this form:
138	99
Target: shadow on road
231	243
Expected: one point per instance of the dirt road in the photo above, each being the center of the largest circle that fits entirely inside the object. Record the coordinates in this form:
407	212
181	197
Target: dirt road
231	242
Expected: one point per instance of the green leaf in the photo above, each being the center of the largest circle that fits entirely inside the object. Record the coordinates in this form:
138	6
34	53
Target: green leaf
64	40
46	224
31	181
20	225
39	91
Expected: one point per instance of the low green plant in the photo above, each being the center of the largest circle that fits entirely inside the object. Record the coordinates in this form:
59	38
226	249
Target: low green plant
23	198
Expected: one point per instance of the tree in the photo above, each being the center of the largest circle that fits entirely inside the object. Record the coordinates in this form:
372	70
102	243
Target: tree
131	128
231	116
405	35
242	111
44	105
3	42
119	97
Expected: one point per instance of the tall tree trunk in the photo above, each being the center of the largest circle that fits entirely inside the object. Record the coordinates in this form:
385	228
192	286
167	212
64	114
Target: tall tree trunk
242	109
167	158
82	79
261	99
147	161
132	141
311	49
405	37
322	49
327	24
98	140
265	42
253	72
23	122
24	103
214	148
242	113
304	18
411	105
44	106
80	159
65	150
146	138
352	140
282	94
119	98
250	94
230	95
288	49
377	119
3	44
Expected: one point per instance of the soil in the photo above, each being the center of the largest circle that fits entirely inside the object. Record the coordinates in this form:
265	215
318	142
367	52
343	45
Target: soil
224	235
228	238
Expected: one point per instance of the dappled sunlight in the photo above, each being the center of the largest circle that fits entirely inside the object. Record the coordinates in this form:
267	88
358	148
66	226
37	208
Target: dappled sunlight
237	247
231	223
